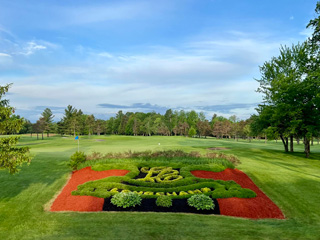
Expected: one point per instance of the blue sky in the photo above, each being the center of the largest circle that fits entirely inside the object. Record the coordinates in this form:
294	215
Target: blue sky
103	56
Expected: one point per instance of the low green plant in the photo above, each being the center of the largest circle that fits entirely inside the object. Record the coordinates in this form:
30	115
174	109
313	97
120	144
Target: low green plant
126	199
201	202
76	159
164	201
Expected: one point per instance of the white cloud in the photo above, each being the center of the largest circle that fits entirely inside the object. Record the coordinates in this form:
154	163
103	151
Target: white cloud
105	54
110	12
306	32
4	55
5	59
291	17
26	48
198	73
31	48
7	32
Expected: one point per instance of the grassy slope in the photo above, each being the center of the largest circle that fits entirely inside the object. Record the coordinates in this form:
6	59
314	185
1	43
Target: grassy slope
290	180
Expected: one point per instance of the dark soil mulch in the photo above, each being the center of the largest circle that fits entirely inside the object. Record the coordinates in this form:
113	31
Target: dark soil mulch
141	175
149	205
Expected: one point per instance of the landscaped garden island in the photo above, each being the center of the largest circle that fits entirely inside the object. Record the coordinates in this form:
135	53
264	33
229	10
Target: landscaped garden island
162	182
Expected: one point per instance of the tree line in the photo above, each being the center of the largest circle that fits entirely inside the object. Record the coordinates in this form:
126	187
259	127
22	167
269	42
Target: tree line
172	123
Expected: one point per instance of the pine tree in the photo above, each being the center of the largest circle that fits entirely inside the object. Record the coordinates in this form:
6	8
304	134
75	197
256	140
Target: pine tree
11	157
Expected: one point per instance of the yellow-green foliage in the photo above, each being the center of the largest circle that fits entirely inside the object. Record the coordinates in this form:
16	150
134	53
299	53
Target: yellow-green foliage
114	190
125	191
205	190
148	193
160	174
182	193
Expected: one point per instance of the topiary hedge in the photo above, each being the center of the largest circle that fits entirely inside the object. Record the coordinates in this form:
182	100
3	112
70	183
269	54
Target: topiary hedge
184	187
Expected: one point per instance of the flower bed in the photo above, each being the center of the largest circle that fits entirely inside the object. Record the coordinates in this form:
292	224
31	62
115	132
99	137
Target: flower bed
236	194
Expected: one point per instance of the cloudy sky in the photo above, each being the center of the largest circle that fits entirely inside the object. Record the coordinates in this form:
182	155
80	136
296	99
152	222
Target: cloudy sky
142	55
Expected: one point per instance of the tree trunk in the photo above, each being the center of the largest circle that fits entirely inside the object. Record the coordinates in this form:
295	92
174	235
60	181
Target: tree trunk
307	146
47	134
298	140
312	141
37	136
291	143
285	143
31	134
42	135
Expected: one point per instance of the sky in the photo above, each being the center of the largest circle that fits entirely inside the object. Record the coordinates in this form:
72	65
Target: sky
143	55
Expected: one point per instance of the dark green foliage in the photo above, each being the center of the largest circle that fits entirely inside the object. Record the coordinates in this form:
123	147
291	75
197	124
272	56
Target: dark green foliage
11	157
164	201
201	202
290	87
76	159
126	199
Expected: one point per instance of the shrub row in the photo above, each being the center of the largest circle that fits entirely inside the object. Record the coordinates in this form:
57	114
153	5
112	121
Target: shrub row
131	199
178	156
214	188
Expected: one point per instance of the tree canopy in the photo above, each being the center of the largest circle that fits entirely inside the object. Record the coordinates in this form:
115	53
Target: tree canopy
290	84
11	157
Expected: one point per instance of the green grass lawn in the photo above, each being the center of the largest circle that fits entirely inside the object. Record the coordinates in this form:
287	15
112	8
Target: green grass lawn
290	180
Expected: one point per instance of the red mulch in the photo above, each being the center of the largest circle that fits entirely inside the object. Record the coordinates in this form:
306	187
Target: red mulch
259	207
67	202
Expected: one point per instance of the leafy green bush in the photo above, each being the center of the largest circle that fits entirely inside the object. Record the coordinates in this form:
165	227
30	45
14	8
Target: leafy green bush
76	159
164	201
126	199
201	202
192	132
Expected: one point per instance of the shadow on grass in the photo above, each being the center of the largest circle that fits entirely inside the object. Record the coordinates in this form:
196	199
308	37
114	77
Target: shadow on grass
45	168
